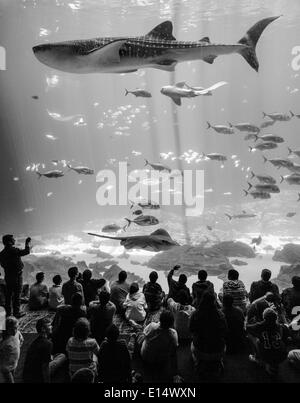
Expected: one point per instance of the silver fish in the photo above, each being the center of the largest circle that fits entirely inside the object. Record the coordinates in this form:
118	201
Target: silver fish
221	128
245	127
139	93
143	220
291	214
208	90
51	174
294	168
262	187
111	228
296	152
157	241
215	157
157	49
264	178
158	167
293	179
146	205
267	123
279	162
270	138
244	215
81	170
268	145
277	116
256	194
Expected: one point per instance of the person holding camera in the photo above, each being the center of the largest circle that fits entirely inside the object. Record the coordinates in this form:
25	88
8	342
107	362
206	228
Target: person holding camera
10	260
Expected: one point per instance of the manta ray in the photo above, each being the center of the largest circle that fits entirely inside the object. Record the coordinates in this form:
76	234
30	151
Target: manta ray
157	241
158	49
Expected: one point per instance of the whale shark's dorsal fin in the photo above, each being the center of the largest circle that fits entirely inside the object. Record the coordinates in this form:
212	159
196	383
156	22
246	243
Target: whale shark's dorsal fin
205	39
162	31
181	84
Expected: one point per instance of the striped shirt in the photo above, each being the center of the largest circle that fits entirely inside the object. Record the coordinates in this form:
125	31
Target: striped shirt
82	354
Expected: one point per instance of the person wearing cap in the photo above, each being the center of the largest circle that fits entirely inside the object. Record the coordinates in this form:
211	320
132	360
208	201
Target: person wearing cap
260	288
10	260
269	341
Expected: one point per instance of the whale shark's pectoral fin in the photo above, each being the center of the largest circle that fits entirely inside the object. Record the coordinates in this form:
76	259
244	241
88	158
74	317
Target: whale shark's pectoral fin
108	53
162	31
209	59
166	65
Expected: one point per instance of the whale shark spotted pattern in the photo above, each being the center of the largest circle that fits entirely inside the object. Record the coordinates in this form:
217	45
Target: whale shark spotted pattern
158	49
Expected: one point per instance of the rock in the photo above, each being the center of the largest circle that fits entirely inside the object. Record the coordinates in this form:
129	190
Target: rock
237	262
98	253
191	259
112	275
234	249
290	253
100	267
81	265
284	278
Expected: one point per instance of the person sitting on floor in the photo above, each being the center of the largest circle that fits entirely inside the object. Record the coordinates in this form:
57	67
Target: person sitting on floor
55	293
153	293
260	288
135	305
291	297
39	364
209	329
158	346
236	288
90	286
10	347
269	340
114	358
201	286
118	291
64	321
101	315
176	286
235	338
38	294
81	350
72	286
182	312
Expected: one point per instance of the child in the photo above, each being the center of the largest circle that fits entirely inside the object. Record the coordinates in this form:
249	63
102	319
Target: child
55	293
135	304
10	349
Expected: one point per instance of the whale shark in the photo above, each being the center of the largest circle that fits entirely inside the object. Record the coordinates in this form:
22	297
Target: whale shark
157	241
158	49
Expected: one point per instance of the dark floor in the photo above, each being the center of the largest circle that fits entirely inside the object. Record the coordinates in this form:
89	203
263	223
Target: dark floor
238	369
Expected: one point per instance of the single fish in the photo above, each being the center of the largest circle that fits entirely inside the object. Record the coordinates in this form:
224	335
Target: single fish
263	187
257	194
270	138
157	241
246	127
35	97
221	128
279	163
268	145
256	241
137	212
208	90
158	167
209	227
81	170
279	117
157	49
293	179
146	205
291	214
215	157
139	93
142	220
296	152
264	178
243	215
267	123
51	174
111	228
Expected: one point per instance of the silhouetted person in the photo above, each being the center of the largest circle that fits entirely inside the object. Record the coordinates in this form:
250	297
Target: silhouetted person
38	296
236	335
176	286
72	286
90	286
201	286
260	288
119	290
10	260
291	297
153	293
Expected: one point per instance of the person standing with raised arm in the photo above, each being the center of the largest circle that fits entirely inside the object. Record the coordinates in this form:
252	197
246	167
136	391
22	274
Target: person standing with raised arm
10	260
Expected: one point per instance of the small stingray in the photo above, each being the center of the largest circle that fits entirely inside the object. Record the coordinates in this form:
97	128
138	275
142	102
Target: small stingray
157	241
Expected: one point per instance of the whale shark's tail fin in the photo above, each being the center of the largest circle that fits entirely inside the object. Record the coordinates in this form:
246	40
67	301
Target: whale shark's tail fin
250	40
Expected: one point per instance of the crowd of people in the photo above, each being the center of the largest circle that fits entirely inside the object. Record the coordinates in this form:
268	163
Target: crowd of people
85	338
